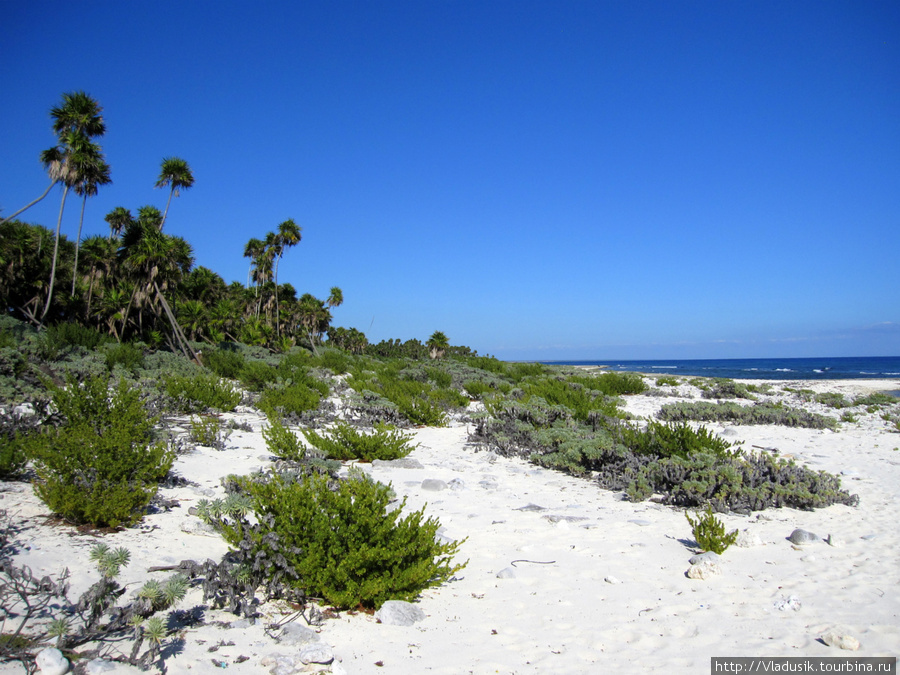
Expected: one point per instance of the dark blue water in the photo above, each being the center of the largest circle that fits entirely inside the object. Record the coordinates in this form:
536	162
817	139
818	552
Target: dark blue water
762	369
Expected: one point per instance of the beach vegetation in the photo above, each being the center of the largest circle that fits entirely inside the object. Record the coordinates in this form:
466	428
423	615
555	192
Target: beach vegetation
201	392
724	388
343	442
208	431
758	413
345	543
832	399
876	400
709	532
667	381
103	464
282	442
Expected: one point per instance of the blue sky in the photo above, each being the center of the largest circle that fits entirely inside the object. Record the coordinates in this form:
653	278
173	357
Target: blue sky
538	180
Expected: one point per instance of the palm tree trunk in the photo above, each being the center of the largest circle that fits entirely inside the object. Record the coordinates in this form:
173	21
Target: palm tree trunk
277	312
176	328
55	254
25	208
78	245
166	212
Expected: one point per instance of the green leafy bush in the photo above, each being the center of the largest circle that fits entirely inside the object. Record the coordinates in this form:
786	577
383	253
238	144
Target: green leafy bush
282	442
63	337
876	399
759	413
201	392
125	354
345	442
727	389
292	399
667	381
102	466
832	400
225	362
256	375
208	430
709	532
346	543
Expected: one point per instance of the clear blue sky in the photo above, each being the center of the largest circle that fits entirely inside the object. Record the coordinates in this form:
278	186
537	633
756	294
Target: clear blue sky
538	180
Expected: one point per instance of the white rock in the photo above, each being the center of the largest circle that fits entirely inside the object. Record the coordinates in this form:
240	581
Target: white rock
297	634
611	579
747	539
316	653
51	661
835	638
791	602
399	613
703	571
104	667
506	573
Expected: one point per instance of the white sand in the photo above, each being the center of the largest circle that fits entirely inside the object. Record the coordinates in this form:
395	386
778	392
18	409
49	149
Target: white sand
563	616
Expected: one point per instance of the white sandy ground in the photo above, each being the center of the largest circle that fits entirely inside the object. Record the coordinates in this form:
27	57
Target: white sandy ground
563	616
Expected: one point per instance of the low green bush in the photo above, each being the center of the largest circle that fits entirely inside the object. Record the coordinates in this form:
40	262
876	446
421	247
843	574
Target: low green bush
727	389
126	354
345	442
59	338
208	430
256	375
201	392
282	442
876	399
832	400
667	381
346	543
103	465
225	362
759	413
292	399
709	532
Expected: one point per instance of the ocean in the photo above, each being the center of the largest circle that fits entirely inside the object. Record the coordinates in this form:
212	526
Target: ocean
761	369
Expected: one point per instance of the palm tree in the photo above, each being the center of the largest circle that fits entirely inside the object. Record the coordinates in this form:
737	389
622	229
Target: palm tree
335	297
289	235
100	256
438	344
93	175
75	122
77	113
175	173
118	220
253	250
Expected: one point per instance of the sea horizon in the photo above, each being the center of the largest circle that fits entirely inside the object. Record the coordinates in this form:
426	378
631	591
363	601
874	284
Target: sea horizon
805	368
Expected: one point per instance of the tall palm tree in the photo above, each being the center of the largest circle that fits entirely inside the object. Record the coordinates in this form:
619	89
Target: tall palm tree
253	250
78	112
438	343
118	220
175	173
93	175
100	257
289	235
75	122
335	297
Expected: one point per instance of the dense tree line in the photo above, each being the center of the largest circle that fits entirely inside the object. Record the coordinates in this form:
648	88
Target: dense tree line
140	282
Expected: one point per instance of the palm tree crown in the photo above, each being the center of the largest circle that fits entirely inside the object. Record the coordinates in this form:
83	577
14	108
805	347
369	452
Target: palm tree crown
175	173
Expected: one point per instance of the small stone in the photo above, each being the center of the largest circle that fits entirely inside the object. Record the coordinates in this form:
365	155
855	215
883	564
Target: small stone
747	539
704	558
456	484
703	571
869	537
489	483
531	507
399	613
197	526
809	558
104	667
433	485
831	540
799	536
610	579
835	638
316	653
51	661
297	634
639	522
506	573
791	602
402	463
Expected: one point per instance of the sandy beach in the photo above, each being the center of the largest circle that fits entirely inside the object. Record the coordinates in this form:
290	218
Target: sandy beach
562	576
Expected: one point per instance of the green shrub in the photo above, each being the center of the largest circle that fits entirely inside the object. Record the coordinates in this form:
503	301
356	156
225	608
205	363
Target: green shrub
347	545
727	389
832	400
334	360
13	457
876	399
208	430
345	442
125	354
282	442
709	532
759	413
225	362
673	440
63	337
102	466
667	381
203	391
296	398
441	378
256	375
